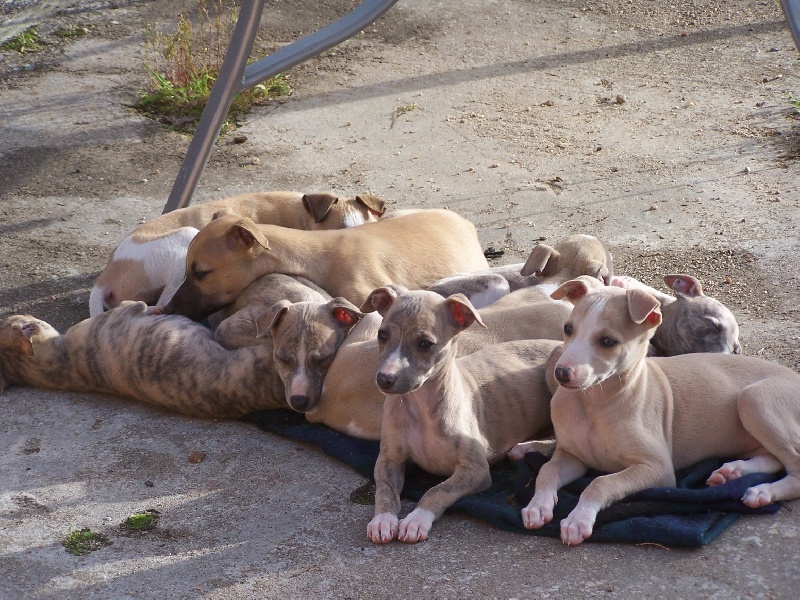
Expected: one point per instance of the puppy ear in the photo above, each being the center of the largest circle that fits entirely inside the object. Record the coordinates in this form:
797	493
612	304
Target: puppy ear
381	299
461	312
684	285
643	308
269	320
374	204
543	260
599	271
318	205
21	339
244	235
575	289
344	312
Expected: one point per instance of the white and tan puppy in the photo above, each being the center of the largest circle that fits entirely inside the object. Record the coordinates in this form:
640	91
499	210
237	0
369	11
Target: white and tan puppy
413	250
133	351
154	254
452	417
545	268
641	419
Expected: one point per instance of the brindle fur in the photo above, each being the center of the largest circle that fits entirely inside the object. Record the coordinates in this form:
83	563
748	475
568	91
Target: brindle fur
166	361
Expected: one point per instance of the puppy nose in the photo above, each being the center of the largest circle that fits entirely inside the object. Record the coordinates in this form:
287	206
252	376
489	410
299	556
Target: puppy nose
385	381
299	403
564	374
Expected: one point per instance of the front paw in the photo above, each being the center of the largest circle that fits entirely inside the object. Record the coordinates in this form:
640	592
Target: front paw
578	526
382	529
539	511
415	527
759	495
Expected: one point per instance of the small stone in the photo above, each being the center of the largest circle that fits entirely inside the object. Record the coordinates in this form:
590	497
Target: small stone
149	483
196	457
255	160
620	99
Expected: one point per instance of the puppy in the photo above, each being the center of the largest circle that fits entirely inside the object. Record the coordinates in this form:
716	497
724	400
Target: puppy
133	351
414	250
545	268
154	254
692	321
640	419
453	417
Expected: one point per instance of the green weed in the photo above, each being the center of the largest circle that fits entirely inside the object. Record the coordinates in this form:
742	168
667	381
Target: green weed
794	100
141	521
183	66
83	541
24	41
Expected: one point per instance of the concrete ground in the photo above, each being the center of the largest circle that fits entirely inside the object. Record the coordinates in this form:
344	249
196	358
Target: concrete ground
666	130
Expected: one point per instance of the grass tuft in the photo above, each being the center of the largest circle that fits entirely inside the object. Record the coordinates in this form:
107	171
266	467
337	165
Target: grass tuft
25	41
141	521
183	66
83	541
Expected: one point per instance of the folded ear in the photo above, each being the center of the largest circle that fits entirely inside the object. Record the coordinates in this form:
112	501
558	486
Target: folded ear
244	235
599	271
381	299
345	312
267	321
684	285
318	205
575	289
543	260
374	204
21	338
643	308
461	312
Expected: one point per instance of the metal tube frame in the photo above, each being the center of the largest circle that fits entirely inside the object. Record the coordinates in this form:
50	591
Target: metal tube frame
234	76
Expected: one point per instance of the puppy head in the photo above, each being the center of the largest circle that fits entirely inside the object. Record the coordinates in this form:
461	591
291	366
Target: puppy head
695	322
305	337
331	212
218	265
415	336
607	334
20	335
575	256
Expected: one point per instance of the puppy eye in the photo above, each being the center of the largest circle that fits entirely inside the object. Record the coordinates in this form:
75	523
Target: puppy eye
200	275
283	360
425	344
567	328
608	342
383	335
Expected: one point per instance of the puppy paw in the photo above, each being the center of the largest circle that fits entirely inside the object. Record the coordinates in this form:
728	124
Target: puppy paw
727	472
382	529
539	511
577	527
415	527
546	447
758	496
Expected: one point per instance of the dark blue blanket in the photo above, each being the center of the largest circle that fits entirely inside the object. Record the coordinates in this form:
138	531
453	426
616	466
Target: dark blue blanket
689	515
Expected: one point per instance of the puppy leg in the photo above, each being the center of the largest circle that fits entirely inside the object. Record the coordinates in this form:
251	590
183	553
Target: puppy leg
470	477
561	469
389	478
607	489
770	411
546	447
